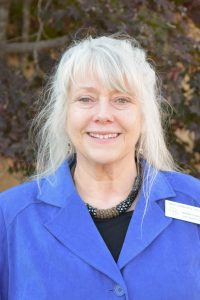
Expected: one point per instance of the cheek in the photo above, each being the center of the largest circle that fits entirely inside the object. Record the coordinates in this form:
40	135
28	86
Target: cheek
75	124
134	121
71	124
139	120
71	128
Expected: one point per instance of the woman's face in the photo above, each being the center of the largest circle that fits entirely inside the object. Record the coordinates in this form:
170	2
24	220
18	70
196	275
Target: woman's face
104	126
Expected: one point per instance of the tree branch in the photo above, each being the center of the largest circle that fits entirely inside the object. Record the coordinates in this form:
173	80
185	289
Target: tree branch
29	46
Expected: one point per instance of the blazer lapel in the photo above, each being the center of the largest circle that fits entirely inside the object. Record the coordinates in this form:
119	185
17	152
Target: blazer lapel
75	229
144	228
73	226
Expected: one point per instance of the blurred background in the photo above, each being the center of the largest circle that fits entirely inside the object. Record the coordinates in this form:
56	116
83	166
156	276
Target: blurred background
33	34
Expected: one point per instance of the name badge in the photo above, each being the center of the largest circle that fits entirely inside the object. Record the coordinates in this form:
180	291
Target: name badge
182	212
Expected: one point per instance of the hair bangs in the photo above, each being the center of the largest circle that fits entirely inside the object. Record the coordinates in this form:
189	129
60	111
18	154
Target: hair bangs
103	66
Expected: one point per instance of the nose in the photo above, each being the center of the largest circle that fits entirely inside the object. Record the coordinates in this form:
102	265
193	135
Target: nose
104	112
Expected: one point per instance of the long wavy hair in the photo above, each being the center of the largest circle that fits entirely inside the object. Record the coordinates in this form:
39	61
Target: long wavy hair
118	62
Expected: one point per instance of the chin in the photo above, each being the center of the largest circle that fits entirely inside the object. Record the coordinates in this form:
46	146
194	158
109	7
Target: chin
104	159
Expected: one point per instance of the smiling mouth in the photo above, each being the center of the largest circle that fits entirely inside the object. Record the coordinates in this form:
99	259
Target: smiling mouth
103	136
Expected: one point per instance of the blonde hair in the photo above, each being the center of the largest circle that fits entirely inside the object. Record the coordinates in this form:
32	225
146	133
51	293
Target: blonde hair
118	62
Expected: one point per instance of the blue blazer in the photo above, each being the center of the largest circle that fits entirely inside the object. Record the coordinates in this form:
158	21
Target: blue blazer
50	248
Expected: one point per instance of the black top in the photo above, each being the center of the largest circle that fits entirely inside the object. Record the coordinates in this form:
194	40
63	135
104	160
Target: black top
113	231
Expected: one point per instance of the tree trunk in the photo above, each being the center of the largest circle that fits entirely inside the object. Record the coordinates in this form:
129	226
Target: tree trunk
4	14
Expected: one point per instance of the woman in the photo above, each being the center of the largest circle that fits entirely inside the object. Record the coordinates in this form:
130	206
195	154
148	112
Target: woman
105	215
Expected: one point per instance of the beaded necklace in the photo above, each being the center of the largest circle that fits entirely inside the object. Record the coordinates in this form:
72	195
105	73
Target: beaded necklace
120	208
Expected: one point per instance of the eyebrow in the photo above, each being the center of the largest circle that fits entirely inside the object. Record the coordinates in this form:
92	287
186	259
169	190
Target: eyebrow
85	87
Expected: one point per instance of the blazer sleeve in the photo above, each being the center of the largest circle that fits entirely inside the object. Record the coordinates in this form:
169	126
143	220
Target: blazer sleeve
3	259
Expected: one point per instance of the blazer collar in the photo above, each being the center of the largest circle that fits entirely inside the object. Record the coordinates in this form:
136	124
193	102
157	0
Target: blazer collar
148	220
56	188
73	226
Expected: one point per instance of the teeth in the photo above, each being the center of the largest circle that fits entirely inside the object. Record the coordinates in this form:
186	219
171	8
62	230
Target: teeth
103	136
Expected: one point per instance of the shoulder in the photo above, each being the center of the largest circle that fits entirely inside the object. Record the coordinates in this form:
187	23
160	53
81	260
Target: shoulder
184	184
17	198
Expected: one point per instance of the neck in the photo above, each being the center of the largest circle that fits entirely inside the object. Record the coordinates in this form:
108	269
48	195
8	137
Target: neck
104	186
